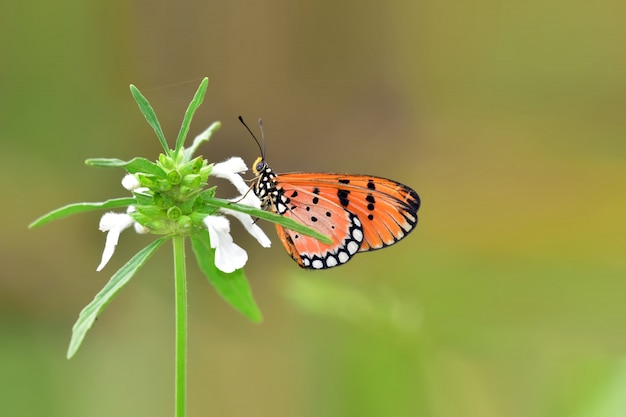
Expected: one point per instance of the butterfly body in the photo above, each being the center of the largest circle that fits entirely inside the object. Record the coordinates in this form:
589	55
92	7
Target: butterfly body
359	212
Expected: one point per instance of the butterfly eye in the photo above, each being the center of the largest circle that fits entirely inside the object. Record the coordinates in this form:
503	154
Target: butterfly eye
260	166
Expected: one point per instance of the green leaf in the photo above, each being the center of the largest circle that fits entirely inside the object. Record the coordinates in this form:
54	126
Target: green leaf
272	217
150	116
233	287
133	166
200	139
89	314
80	208
193	106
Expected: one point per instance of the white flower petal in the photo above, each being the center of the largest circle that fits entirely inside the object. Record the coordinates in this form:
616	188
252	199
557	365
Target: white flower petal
114	223
216	225
248	199
130	182
232	165
228	255
230	170
109	248
115	220
140	229
250	226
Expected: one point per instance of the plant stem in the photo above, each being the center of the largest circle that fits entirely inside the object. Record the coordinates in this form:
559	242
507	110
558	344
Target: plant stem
180	277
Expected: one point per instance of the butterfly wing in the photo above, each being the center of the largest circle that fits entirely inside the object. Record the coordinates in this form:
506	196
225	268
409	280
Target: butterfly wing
359	212
308	207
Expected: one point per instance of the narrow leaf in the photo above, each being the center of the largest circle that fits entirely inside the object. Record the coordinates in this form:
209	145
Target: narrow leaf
132	166
200	139
193	106
272	217
89	314
233	287
81	208
150	116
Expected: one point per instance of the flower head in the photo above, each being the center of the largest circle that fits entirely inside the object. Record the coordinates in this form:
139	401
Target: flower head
171	199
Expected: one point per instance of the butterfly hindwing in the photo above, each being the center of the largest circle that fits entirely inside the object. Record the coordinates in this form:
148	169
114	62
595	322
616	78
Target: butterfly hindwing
307	206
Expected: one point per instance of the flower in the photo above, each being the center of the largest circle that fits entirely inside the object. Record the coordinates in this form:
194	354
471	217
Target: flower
228	255
130	182
230	170
114	224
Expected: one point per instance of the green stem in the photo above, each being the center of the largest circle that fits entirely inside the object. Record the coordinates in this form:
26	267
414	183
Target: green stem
180	277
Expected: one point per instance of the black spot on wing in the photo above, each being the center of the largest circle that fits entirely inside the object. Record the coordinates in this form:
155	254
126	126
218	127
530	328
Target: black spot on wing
343	197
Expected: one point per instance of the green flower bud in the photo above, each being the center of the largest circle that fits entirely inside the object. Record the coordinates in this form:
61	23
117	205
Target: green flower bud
184	190
192	180
185	223
164	185
187	206
192	167
163	200
146	180
166	162
174	213
174	177
157	226
198	163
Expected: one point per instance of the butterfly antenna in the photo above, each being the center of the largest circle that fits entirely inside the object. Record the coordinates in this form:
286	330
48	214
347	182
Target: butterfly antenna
261	148
262	136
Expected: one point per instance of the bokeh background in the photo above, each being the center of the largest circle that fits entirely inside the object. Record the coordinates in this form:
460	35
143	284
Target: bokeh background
507	117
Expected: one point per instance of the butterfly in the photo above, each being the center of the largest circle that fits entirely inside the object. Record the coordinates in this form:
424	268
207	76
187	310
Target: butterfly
359	212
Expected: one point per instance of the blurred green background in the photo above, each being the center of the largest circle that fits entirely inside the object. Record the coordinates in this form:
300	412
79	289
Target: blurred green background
507	117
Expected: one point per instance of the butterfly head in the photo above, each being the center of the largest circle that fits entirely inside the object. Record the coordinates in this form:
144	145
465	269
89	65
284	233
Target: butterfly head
260	166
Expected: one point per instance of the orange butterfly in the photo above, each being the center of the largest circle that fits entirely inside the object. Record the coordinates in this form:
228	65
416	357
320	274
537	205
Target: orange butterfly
359	212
